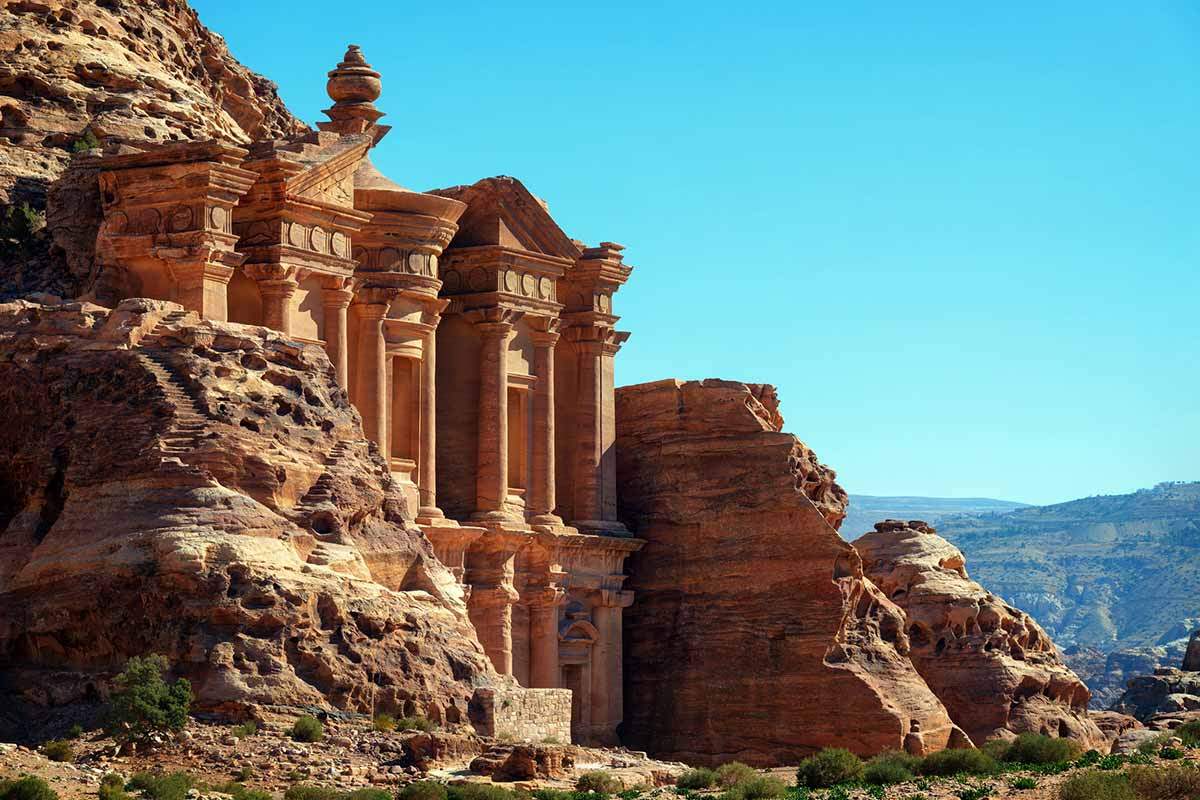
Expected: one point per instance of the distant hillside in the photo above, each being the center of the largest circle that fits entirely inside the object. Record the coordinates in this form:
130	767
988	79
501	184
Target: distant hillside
1101	574
865	510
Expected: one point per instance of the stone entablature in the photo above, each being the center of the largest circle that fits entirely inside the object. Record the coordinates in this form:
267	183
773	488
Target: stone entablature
474	337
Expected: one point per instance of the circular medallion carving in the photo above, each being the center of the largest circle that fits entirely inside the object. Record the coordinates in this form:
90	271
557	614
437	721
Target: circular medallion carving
477	281
145	221
338	244
415	263
318	239
389	258
181	218
528	285
296	235
451	281
218	217
511	279
545	288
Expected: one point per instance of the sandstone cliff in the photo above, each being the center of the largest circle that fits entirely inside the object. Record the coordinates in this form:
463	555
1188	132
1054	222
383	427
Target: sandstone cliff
995	669
754	634
204	490
80	72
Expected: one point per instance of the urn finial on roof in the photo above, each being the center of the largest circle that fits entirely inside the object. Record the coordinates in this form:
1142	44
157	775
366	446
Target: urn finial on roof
354	87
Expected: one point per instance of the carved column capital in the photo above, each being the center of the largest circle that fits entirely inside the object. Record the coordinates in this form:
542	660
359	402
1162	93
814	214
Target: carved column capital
272	273
494	317
544	331
615	598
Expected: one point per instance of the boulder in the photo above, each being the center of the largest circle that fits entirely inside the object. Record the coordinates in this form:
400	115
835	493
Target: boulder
995	669
753	634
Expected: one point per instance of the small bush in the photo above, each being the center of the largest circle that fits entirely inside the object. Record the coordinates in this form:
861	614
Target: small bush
144	704
308	729
891	767
481	791
244	773
27	788
1189	733
74	732
1023	783
1165	783
423	790
238	791
1095	785
597	781
1171	753
87	141
174	786
760	787
959	762
733	773
59	750
831	766
982	792
301	791
384	723
699	778
1033	748
245	730
112	787
1151	746
414	724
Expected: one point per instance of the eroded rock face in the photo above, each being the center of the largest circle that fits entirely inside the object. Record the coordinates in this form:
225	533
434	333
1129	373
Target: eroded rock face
203	490
126	71
754	635
991	664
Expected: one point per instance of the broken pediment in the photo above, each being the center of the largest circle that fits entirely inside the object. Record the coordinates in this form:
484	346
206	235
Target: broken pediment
502	212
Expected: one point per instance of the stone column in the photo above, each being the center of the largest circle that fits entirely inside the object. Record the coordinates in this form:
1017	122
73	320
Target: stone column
370	395
543	638
491	478
428	513
202	286
607	673
490	610
336	297
589	420
542	500
276	284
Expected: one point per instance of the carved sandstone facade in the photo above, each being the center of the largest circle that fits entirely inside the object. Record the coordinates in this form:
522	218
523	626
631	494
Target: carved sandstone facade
475	338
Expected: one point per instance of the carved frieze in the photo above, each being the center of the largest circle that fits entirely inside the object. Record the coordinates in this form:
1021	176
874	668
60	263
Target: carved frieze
394	259
509	280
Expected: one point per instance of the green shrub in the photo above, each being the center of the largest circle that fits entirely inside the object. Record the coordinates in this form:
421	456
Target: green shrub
238	791
174	786
481	791
27	788
1151	746
733	773
414	724
384	723
422	790
1095	785
1023	783
144	704
244	773
1165	783
74	732
368	794
1189	733
959	762
303	792
87	141
1034	748
1171	754
831	766
19	225
699	778
245	730
598	781
760	787
891	766
58	750
112	787
308	729
981	792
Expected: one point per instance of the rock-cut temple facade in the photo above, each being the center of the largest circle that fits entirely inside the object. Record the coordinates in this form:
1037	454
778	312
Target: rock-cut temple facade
475	338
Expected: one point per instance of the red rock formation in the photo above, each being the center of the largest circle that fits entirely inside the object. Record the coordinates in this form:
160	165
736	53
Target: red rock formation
754	635
991	664
204	490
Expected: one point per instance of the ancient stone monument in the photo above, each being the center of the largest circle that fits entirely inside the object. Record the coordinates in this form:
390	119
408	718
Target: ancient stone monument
474	337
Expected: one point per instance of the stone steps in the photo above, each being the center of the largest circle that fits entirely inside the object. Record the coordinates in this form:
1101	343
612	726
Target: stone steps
188	423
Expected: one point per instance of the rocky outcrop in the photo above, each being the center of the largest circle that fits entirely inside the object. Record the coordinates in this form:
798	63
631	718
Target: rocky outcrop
995	669
1167	691
80	73
754	634
204	490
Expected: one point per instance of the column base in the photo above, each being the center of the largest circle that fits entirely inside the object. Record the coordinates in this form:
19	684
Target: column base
602	527
434	517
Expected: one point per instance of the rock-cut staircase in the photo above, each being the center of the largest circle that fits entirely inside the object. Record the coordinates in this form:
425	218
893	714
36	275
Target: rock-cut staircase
321	492
188	423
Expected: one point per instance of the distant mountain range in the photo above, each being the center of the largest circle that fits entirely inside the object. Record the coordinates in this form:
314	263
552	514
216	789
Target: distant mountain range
1114	579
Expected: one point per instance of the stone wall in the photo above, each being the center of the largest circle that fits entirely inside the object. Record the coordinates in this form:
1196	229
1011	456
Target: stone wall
534	715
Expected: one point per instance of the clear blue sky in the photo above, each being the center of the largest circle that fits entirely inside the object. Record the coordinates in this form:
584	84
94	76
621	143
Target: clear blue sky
961	238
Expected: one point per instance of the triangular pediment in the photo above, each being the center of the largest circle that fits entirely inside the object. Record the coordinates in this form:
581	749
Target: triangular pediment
501	211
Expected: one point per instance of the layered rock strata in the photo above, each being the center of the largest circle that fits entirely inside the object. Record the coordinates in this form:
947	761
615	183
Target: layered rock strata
204	490
755	635
995	669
